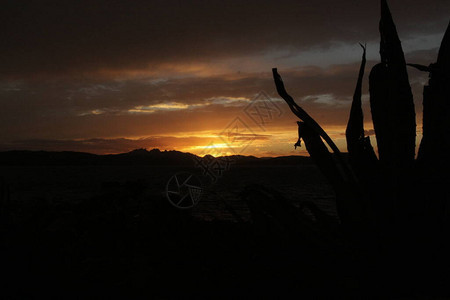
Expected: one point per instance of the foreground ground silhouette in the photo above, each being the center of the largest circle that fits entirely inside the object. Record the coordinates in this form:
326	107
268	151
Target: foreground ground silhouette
109	231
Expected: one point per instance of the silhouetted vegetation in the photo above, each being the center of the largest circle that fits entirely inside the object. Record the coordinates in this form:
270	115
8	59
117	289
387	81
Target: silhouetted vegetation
392	206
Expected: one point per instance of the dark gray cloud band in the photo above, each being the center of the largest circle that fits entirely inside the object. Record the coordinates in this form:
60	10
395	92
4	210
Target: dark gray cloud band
60	37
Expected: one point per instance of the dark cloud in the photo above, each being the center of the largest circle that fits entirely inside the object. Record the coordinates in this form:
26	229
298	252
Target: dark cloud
60	37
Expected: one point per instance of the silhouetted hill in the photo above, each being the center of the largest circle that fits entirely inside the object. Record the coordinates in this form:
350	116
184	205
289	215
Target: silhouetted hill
152	157
14	158
136	157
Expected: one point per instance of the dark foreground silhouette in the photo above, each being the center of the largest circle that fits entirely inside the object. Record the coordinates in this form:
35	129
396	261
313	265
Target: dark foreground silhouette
115	235
83	230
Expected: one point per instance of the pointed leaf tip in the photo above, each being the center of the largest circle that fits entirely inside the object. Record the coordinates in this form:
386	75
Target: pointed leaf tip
385	7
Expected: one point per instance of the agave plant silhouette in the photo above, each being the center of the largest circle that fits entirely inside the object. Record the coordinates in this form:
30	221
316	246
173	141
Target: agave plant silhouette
393	194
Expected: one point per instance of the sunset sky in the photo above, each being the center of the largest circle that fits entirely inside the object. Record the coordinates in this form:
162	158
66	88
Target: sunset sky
113	76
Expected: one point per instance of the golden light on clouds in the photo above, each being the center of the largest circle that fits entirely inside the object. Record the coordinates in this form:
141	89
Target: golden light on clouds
159	107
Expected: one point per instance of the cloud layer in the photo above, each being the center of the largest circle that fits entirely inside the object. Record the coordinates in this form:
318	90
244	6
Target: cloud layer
91	75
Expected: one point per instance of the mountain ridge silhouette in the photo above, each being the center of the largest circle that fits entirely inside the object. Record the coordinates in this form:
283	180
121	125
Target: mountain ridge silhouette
135	157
